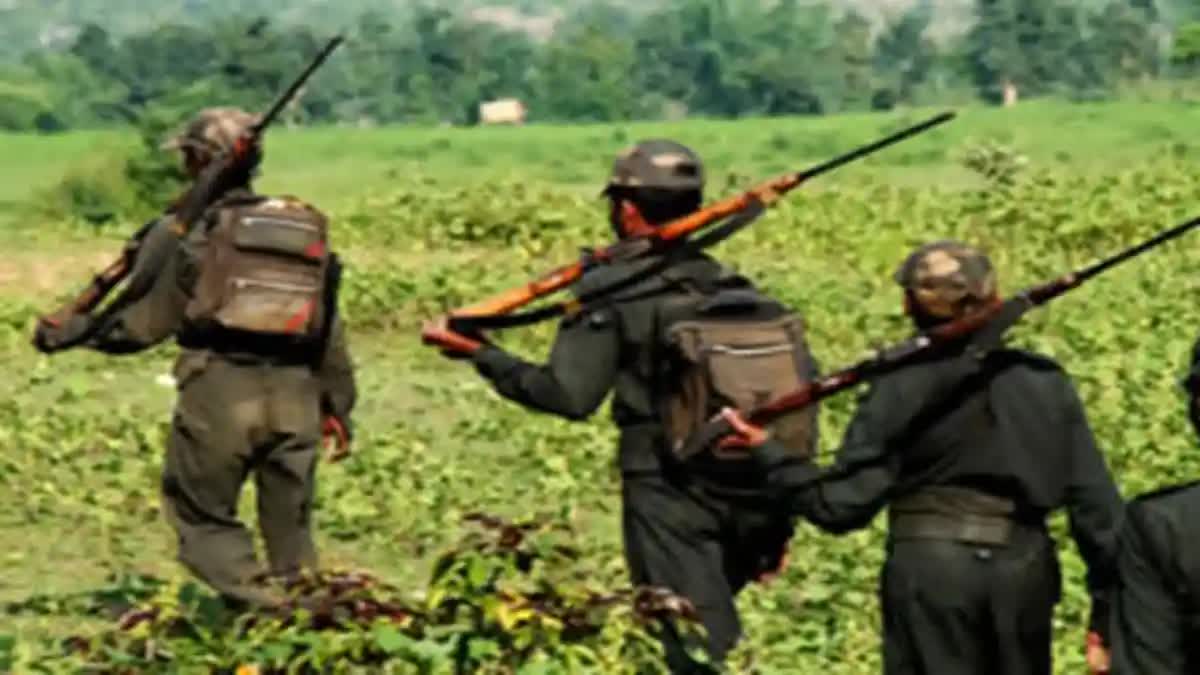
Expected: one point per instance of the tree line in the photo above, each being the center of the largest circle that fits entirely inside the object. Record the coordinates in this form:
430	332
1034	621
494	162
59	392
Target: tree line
716	58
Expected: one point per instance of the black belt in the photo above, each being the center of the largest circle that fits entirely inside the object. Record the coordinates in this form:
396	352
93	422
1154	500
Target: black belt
957	514
966	528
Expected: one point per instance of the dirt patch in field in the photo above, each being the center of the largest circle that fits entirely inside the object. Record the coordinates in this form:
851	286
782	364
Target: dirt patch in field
47	272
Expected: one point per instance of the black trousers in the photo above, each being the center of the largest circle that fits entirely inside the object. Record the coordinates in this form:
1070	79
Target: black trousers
959	609
702	547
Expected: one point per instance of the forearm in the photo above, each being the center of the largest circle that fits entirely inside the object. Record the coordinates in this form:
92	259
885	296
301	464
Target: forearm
841	498
530	385
339	390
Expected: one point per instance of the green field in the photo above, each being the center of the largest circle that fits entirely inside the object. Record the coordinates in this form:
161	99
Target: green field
334	166
430	219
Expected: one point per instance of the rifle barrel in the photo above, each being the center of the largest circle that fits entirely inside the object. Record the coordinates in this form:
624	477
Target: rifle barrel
563	276
871	148
1157	240
900	355
287	95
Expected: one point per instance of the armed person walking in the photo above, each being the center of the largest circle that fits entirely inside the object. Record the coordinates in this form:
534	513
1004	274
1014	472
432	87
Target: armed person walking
250	294
969	451
1156	612
673	347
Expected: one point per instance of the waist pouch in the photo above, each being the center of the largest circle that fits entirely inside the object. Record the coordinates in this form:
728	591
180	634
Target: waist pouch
956	514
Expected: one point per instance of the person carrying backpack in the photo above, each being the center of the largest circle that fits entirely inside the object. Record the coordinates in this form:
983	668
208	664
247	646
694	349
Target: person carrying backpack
250	295
969	451
674	349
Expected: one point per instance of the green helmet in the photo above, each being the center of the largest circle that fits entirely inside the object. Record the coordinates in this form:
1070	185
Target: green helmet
657	163
946	278
213	130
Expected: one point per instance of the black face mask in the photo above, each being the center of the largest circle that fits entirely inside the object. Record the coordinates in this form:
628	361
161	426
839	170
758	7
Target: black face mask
614	217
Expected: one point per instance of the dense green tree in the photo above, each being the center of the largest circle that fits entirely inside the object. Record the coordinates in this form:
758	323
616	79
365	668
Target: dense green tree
432	62
1185	51
904	55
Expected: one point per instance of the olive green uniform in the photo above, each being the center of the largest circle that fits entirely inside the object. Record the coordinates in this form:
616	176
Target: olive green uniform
677	534
1156	617
243	409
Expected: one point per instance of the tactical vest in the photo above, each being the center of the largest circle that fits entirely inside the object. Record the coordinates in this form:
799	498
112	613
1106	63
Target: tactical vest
724	344
263	270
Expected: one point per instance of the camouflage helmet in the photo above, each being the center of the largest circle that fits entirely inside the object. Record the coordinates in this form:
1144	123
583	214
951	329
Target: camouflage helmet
657	163
946	278
213	130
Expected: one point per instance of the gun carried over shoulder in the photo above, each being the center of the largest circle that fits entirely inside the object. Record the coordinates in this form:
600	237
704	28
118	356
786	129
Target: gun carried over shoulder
215	180
929	343
649	239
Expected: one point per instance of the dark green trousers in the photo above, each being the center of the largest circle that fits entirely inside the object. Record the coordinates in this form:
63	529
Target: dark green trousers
234	420
959	609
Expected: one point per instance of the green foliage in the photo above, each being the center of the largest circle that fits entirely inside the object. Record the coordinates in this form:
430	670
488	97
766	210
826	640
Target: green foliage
83	435
1054	46
1185	52
998	164
508	598
155	176
134	186
433	63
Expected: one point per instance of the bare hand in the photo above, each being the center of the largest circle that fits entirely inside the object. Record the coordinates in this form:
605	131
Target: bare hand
453	345
1099	659
336	439
745	435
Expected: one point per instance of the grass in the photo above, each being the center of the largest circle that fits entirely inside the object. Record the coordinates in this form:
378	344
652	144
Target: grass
81	436
333	165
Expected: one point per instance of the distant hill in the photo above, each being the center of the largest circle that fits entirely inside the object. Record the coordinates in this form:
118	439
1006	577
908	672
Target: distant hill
30	24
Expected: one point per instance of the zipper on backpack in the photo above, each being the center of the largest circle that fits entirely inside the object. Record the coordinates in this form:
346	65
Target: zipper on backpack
242	283
293	224
750	351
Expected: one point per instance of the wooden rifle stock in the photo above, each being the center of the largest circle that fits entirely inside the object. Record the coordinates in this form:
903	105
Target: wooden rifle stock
91	296
766	193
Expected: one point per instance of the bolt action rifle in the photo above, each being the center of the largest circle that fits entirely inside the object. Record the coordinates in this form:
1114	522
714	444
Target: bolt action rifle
216	179
1005	313
645	239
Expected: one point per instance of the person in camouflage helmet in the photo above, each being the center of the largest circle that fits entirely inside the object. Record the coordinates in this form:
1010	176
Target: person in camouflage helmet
969	451
1156	612
249	403
704	547
211	133
945	280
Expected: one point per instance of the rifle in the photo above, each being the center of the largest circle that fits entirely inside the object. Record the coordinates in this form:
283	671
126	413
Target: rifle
649	239
216	179
929	343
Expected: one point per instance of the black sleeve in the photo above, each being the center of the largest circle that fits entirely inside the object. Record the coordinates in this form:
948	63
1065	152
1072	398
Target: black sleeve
852	491
869	464
1147	633
1094	506
581	370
